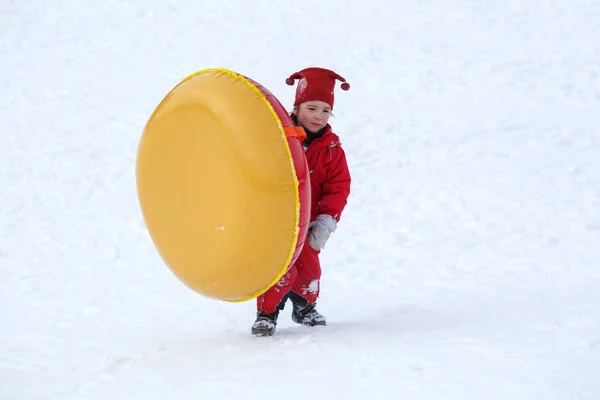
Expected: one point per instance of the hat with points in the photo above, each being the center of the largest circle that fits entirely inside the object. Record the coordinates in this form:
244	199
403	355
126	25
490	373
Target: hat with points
316	84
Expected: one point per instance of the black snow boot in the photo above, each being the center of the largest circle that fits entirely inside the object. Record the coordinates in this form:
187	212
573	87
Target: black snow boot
265	324
304	313
307	315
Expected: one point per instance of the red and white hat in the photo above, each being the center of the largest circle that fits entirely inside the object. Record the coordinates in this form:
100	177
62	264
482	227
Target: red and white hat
316	84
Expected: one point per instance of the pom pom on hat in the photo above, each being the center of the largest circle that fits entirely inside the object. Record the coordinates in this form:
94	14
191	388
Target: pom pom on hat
316	84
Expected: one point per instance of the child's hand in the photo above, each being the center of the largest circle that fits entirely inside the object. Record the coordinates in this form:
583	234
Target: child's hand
320	230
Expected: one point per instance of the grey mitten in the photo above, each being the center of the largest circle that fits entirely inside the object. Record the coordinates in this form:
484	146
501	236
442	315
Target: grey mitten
320	230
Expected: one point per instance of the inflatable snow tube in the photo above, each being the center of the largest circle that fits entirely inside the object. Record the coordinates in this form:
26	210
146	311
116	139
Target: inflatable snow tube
223	185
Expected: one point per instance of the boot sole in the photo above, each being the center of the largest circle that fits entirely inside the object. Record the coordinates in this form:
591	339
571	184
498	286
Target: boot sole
324	323
262	333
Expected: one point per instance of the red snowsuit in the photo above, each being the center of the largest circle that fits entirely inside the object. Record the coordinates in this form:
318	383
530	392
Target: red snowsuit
330	187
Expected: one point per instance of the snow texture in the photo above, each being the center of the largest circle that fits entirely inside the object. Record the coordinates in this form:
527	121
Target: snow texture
466	265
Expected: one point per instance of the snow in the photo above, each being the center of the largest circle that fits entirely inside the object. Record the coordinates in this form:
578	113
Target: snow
466	263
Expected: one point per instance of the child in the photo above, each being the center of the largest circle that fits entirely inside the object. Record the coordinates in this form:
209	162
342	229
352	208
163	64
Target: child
330	187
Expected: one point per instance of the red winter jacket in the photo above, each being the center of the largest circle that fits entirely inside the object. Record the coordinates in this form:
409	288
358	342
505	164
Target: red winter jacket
329	175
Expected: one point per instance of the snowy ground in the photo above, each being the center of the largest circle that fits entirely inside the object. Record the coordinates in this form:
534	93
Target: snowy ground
467	262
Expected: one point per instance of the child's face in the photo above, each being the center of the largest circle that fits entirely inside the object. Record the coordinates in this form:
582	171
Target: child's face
313	115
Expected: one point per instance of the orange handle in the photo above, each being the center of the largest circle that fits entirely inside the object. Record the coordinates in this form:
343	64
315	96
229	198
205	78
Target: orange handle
295	131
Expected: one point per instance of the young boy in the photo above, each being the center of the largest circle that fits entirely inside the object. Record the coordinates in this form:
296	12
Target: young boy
330	187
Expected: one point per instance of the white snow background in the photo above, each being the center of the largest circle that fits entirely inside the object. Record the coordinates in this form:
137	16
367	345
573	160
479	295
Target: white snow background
466	265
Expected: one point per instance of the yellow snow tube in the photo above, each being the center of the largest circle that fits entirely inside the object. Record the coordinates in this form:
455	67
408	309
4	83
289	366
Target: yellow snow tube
223	185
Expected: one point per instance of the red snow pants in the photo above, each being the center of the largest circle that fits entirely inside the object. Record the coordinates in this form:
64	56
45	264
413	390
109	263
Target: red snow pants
303	278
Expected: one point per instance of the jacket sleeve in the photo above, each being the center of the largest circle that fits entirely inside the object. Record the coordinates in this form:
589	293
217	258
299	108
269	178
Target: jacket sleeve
336	189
